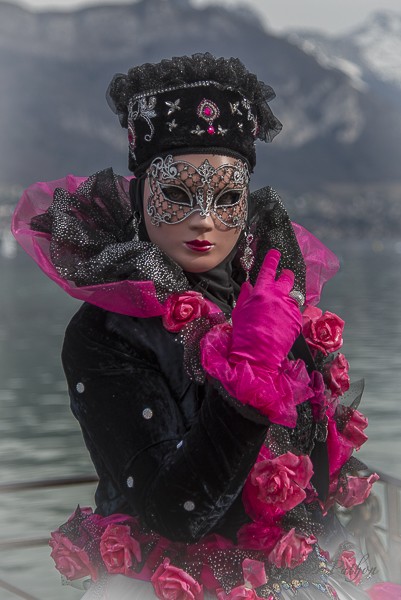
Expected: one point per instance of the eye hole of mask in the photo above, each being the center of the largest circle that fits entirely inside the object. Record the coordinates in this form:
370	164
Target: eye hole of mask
228	198
176	194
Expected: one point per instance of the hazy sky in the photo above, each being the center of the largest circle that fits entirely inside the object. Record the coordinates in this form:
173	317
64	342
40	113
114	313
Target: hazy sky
329	15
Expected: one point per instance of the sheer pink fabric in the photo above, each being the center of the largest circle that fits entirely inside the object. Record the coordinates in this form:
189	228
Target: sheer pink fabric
136	298
321	263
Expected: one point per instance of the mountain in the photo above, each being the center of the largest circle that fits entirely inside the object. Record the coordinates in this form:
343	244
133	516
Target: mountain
341	136
370	53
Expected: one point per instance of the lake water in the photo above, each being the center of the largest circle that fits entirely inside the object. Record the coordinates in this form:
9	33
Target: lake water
40	439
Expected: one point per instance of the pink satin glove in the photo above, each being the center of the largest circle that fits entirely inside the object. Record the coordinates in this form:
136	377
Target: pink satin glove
266	320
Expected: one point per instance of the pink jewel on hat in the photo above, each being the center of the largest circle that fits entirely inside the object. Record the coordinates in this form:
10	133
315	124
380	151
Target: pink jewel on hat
209	111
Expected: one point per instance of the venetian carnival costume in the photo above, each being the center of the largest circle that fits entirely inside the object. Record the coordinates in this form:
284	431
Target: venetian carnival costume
221	440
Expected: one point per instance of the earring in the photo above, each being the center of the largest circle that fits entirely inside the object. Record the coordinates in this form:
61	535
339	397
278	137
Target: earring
247	260
135	222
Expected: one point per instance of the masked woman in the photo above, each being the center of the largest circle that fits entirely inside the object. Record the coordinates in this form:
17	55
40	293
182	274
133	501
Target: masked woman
209	404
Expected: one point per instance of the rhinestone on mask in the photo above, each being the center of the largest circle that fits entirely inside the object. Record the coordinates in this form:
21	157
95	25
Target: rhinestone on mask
203	190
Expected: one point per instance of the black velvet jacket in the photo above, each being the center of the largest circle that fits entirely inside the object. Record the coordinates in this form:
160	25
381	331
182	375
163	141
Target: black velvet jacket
173	452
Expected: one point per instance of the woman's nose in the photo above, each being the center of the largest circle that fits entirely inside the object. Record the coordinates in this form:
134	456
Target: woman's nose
201	222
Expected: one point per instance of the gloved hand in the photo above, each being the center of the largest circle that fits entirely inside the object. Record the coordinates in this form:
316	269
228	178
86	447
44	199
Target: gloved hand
266	320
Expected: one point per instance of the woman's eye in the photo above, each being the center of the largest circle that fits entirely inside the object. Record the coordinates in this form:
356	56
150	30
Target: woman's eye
176	195
228	198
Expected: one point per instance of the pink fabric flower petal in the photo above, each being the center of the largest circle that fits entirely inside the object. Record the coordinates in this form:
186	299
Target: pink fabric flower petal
241	592
118	549
182	308
357	490
71	561
172	583
336	376
276	486
254	572
354	428
259	536
292	550
348	566
323	332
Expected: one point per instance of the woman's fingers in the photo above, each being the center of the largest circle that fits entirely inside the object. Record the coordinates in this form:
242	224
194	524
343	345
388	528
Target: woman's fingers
245	292
286	280
268	270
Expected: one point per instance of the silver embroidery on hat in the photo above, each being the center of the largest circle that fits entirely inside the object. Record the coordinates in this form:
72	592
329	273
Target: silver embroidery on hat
173	106
140	108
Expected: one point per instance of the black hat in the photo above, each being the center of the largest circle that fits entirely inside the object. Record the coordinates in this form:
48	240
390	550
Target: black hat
191	104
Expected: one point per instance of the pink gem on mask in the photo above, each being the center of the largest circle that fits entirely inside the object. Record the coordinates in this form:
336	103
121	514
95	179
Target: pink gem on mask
211	130
207	111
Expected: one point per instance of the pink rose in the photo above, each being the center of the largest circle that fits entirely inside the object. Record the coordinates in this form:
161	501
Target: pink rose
254	572
336	376
354	429
291	550
242	592
276	486
172	583
339	448
117	549
356	490
182	308
322	331
349	567
72	562
257	536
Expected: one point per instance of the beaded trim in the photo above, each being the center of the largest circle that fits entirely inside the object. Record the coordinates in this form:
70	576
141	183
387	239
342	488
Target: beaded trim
182	86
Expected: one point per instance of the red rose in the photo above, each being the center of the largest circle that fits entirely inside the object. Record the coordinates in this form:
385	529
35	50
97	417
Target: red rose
354	429
276	486
336	375
117	549
349	567
254	572
322	331
72	562
182	309
292	550
172	583
257	536
356	490
242	592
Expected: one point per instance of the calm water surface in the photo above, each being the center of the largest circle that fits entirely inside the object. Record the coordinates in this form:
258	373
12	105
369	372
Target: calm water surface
39	438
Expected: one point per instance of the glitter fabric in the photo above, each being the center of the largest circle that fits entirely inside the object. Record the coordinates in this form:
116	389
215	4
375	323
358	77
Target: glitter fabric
178	189
93	239
271	228
82	234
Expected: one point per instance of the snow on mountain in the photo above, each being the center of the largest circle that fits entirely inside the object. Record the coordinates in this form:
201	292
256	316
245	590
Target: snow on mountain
368	54
379	44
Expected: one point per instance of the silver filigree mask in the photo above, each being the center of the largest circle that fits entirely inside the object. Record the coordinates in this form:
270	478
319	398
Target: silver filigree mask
178	189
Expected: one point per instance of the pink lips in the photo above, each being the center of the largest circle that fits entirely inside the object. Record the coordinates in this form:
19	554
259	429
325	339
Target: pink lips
199	245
